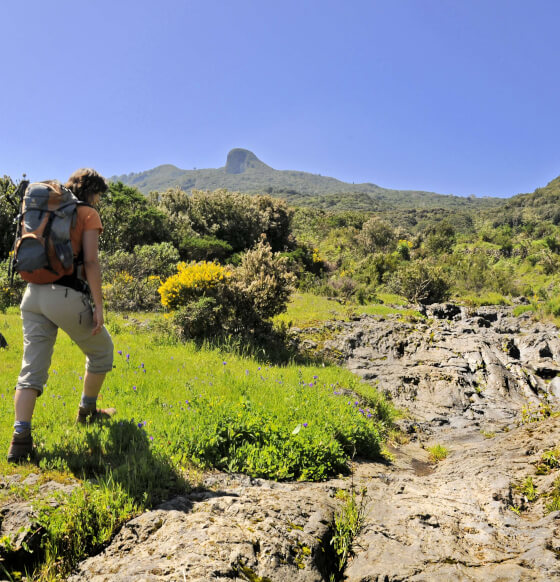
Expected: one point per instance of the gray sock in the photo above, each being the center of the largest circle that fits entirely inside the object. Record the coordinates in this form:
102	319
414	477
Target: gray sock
88	401
21	426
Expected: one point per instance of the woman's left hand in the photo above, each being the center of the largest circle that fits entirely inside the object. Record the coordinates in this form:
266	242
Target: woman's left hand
98	321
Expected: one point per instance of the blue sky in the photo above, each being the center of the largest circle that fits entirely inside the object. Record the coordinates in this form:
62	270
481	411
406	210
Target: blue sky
451	96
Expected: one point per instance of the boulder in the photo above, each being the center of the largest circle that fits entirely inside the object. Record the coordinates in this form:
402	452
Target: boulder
242	529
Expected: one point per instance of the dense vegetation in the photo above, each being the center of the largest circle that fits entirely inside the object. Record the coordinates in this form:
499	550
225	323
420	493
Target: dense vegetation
420	253
204	375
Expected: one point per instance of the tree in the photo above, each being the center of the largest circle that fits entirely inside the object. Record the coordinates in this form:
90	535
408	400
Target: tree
8	214
440	238
420	283
129	220
377	235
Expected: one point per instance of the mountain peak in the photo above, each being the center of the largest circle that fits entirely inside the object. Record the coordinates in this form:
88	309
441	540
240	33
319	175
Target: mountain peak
239	160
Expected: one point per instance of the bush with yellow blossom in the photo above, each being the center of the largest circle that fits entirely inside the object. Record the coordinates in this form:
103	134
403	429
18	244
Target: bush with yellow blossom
207	298
192	281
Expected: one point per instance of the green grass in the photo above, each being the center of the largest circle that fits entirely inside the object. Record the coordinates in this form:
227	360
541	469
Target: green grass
488	298
520	309
306	309
438	453
181	409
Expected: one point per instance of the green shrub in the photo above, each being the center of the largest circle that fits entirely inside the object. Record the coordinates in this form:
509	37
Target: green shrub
262	284
420	283
376	268
131	280
376	235
202	317
126	293
8	213
204	248
305	260
403	249
129	220
440	238
232	299
158	259
553	306
438	453
10	295
520	309
240	219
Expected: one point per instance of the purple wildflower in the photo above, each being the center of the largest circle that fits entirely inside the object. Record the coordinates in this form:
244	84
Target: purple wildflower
305	424
134	387
119	352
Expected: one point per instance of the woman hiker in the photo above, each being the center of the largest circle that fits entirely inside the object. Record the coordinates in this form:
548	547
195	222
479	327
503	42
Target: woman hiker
66	304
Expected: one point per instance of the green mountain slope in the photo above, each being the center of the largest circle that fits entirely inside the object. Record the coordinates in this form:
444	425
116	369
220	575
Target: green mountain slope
244	172
542	204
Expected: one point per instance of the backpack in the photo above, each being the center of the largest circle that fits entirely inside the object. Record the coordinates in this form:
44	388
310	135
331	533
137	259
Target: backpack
42	250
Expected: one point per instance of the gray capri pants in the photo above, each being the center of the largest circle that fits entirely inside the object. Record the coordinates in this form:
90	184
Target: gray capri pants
44	309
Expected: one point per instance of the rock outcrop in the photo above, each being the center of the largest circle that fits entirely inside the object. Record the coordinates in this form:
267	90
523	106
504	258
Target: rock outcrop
457	368
463	520
239	160
242	529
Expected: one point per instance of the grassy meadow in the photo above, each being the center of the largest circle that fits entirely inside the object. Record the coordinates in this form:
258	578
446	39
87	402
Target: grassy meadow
182	409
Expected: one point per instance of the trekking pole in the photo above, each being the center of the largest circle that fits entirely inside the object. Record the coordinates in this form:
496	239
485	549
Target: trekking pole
18	196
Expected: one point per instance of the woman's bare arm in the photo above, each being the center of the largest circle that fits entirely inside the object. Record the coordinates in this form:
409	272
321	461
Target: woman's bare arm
93	275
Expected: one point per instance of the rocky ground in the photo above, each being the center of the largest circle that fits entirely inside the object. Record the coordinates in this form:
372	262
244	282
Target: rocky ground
481	384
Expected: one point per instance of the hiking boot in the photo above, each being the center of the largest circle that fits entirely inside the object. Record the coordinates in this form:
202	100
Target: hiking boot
21	447
93	415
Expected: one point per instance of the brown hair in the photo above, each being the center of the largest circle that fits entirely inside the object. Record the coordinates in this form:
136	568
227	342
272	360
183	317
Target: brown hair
85	183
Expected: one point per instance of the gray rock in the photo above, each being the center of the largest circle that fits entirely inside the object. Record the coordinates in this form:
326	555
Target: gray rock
253	528
487	364
455	522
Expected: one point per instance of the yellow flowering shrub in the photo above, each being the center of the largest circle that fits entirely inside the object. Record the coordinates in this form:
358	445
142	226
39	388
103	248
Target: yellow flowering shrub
193	280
